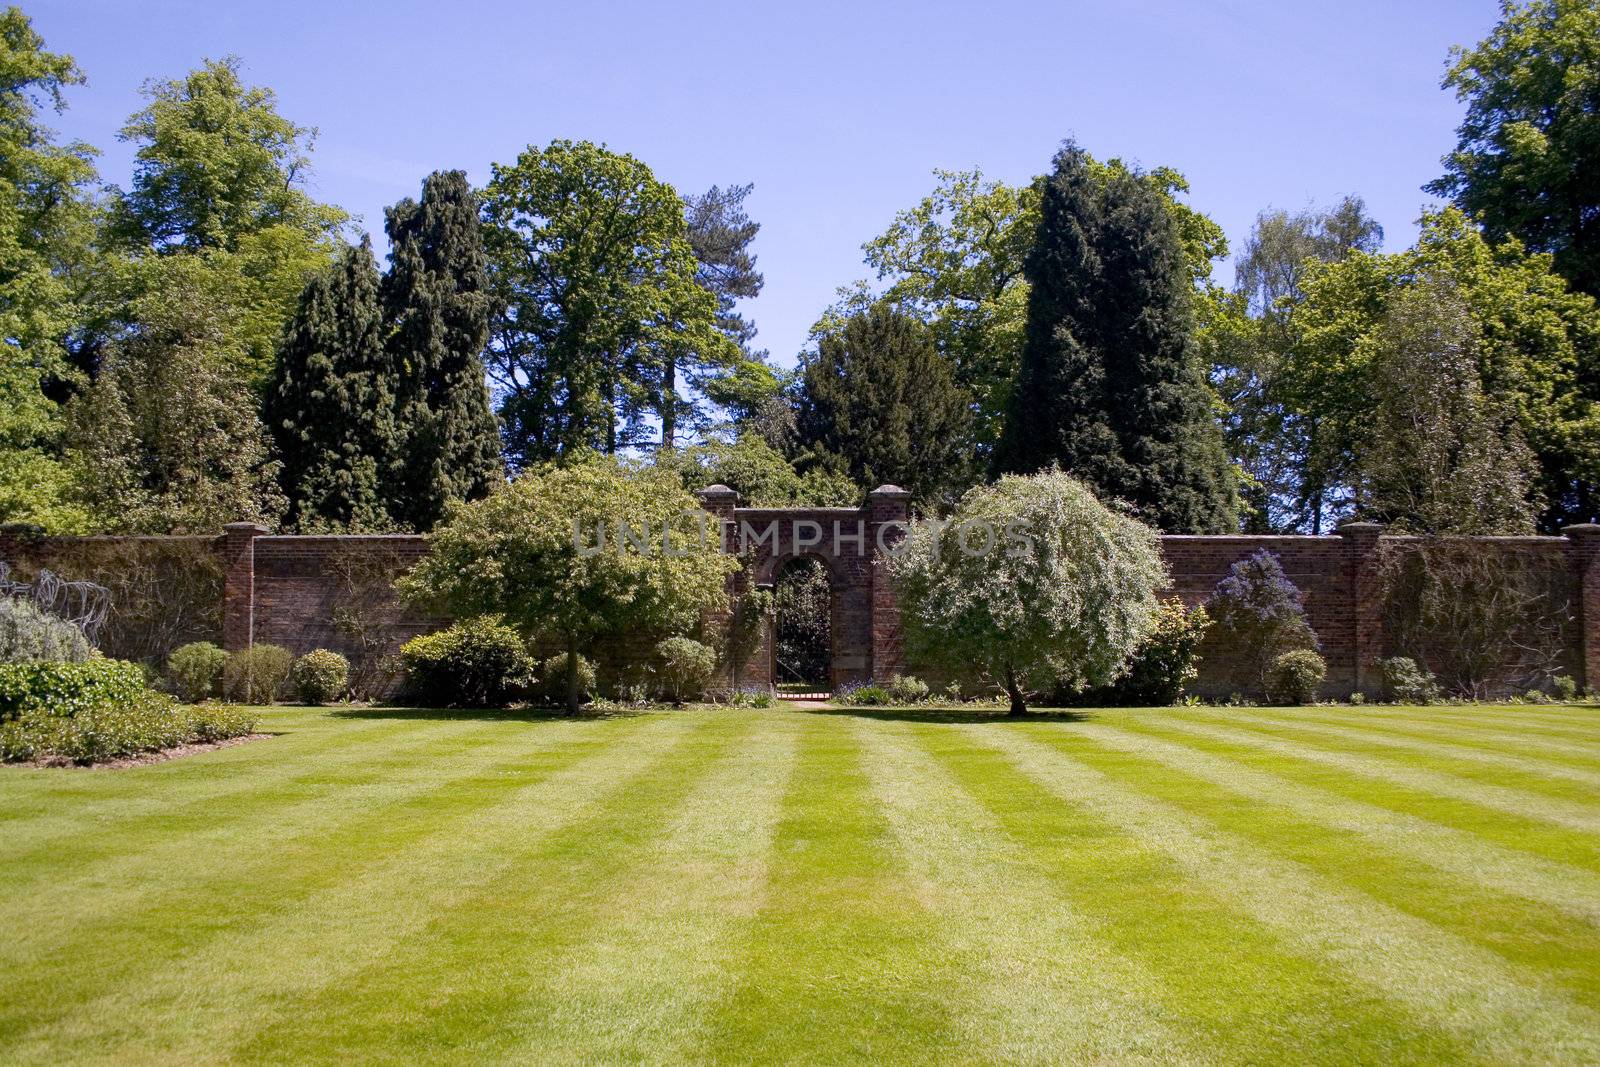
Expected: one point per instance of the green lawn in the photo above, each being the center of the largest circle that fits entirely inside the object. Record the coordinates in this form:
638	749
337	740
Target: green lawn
1184	885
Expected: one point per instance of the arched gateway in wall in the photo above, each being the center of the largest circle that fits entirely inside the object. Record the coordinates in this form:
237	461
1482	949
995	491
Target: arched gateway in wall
864	621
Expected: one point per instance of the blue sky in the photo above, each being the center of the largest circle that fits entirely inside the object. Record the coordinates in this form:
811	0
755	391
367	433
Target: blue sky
837	112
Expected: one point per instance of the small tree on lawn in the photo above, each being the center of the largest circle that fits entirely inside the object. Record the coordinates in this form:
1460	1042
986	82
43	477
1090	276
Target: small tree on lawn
527	552
1035	581
1259	613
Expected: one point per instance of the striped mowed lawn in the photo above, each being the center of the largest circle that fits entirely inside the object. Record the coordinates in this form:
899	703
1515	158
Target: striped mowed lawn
1182	885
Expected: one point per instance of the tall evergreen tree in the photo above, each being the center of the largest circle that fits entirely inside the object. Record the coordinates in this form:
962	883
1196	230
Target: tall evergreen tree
878	402
1108	386
436	307
330	404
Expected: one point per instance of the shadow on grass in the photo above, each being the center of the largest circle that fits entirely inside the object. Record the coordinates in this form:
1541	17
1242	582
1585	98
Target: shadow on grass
954	716
395	711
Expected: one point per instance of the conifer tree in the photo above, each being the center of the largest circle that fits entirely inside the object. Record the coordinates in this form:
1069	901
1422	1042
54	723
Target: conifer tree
878	403
436	309
1108	388
330	404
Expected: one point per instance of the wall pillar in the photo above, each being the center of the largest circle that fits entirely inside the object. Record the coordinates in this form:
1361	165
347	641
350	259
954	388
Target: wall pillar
1583	555
1366	603
719	502
239	583
888	508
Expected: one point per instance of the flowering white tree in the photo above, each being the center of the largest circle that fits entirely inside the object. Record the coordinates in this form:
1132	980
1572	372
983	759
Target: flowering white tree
1033	580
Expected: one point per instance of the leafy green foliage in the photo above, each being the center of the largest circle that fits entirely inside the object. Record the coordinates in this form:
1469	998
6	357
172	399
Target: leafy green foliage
1537	351
256	675
524	552
878	402
1110	386
594	281
28	635
907	689
1295	676
321	677
46	234
331	403
863	695
106	728
1407	682
1165	661
65	689
166	439
761	475
1440	457
560	676
477	663
436	306
1066	594
215	162
194	671
1528	150
687	667
1248	336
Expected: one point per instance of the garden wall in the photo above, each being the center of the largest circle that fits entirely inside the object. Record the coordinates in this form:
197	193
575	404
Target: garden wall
335	592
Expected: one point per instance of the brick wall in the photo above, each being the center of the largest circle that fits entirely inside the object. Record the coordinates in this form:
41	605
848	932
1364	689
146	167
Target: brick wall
335	592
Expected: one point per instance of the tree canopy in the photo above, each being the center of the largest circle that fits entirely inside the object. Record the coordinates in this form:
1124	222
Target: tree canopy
1527	159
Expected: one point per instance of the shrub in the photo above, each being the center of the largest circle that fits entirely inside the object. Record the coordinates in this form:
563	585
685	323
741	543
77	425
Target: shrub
1164	663
1358	698
862	695
752	697
28	635
1408	683
218	722
65	689
113	728
321	677
1295	676
907	689
257	674
1258	610
552	685
1566	687
477	663
686	667
1534	696
194	670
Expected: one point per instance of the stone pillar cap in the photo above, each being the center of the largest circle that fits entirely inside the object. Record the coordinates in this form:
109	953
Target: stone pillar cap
1581	529
247	527
1361	527
716	490
889	490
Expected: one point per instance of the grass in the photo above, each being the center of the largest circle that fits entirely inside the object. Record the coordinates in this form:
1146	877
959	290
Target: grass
1187	885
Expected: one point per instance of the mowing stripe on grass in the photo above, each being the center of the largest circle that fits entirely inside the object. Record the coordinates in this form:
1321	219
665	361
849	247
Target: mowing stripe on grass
1458	987
1581	817
1223	981
641	984
1493	735
1526	933
1458	853
329	905
451	986
113	879
1536	769
173	804
63	803
843	961
1039	983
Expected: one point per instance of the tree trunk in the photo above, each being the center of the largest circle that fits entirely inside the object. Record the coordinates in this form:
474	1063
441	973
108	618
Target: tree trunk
669	403
574	698
1019	706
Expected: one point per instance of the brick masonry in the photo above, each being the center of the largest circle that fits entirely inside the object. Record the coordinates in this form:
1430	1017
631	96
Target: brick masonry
306	592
